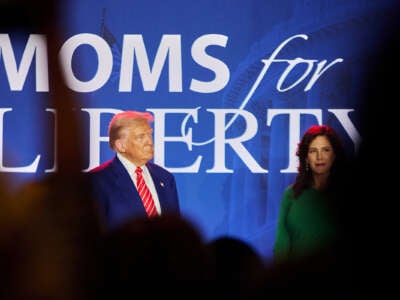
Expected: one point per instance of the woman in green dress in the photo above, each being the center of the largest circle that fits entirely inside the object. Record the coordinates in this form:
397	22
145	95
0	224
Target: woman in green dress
307	218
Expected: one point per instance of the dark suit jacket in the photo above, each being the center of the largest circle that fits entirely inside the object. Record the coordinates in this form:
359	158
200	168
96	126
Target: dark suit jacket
118	198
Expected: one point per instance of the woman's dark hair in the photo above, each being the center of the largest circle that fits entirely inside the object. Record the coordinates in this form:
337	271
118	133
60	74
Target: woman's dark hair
304	176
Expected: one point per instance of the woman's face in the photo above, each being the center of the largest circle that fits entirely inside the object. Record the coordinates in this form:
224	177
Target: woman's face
320	156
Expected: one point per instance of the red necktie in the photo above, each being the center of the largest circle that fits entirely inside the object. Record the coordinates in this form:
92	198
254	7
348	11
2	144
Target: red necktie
145	194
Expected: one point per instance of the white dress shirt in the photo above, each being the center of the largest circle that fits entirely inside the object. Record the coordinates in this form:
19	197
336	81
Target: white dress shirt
130	167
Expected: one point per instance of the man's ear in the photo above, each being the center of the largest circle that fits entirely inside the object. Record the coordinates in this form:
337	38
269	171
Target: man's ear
119	145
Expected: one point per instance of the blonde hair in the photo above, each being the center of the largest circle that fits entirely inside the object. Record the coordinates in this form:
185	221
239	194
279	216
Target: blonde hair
123	120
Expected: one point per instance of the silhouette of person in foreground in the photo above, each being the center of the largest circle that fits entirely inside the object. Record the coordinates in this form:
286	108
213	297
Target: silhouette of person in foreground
49	228
164	256
238	268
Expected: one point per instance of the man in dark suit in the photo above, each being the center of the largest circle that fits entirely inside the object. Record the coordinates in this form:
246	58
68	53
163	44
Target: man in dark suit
114	182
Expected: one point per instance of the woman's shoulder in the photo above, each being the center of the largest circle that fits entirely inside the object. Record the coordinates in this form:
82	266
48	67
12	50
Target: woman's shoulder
288	192
289	189
287	198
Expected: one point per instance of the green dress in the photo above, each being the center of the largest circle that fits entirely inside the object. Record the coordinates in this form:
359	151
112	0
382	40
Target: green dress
305	224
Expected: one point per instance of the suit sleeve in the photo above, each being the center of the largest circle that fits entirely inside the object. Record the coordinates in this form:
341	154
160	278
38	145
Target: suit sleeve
173	197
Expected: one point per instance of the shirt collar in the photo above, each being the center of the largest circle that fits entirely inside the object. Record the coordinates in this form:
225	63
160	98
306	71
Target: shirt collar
129	166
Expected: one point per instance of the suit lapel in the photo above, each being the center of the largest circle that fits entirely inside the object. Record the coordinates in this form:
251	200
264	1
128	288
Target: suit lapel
159	184
124	183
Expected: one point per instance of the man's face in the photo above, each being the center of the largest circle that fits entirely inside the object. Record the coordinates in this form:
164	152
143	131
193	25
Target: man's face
137	143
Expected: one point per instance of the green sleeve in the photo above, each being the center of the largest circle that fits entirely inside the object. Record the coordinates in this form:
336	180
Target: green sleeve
282	241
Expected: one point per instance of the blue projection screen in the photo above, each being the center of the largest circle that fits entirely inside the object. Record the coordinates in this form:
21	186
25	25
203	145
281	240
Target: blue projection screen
232	86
